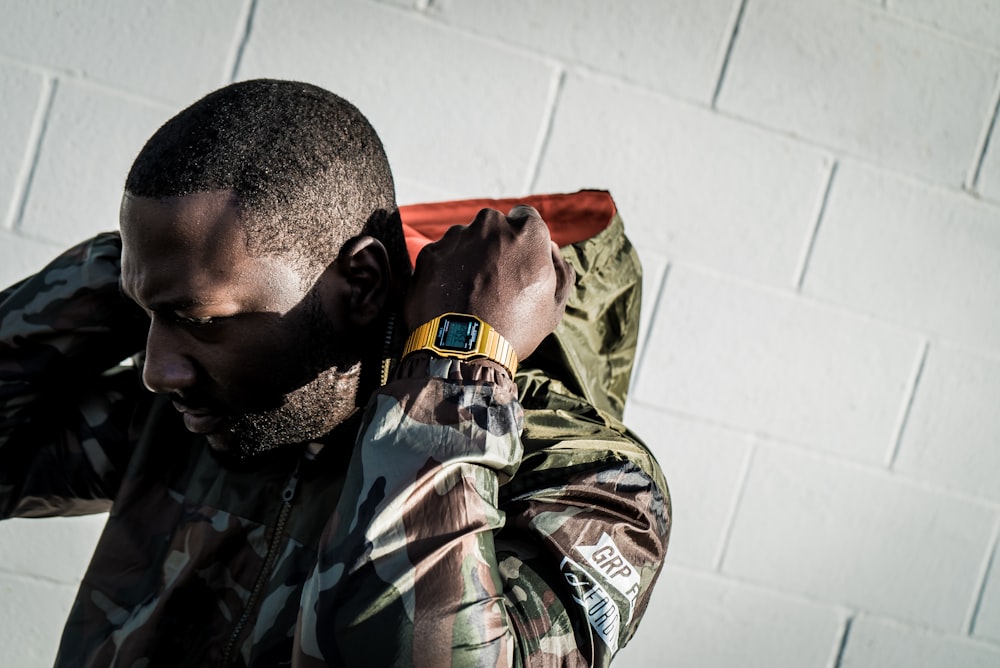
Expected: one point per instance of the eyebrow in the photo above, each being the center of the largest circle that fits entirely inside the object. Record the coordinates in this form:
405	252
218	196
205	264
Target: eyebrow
167	306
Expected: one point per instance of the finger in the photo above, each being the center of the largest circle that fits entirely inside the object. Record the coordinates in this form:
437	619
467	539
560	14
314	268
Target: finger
486	216
522	216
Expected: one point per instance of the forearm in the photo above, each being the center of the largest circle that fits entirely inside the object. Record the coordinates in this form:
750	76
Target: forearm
407	573
60	331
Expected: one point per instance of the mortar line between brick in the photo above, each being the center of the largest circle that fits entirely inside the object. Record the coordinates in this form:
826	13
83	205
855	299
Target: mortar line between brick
847	610
985	570
842	645
34	577
545	134
972	178
800	275
643	345
26	175
889	10
904	416
734	509
241	45
734	28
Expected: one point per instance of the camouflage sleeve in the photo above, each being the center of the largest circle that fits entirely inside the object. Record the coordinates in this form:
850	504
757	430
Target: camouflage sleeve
411	569
579	555
65	401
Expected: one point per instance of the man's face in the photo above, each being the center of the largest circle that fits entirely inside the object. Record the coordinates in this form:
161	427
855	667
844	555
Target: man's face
252	355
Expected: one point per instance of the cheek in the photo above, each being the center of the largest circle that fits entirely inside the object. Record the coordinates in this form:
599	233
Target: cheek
254	364
271	361
249	366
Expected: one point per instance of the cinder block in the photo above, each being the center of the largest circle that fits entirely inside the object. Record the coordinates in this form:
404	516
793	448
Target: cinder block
454	112
704	466
772	363
706	621
20	91
691	184
853	78
953	429
31	620
56	548
987	622
668	46
974	20
859	537
169	51
922	257
90	142
20	257
882	643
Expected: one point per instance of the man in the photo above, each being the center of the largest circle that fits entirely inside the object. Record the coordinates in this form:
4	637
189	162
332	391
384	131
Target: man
333	466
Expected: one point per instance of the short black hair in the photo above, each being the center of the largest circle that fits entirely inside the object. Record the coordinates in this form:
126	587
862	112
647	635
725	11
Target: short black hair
307	168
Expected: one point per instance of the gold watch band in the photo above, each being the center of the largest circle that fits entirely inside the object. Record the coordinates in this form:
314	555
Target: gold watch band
489	343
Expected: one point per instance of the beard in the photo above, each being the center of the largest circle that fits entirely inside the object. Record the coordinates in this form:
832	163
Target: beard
307	413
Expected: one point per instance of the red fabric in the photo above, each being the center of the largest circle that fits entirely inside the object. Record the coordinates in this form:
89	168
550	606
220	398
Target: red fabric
571	217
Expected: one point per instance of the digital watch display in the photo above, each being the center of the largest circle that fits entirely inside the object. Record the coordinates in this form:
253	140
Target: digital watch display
457	333
462	336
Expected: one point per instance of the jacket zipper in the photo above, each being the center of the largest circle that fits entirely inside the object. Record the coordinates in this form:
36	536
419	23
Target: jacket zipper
287	495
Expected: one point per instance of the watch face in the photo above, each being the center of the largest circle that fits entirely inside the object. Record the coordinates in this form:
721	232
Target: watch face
457	333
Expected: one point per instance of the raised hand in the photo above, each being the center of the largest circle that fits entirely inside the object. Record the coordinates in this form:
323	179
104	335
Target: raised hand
504	269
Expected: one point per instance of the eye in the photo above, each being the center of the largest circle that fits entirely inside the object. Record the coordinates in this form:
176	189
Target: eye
196	323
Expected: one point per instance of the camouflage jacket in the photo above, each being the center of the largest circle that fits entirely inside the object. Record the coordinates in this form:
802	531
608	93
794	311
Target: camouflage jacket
461	520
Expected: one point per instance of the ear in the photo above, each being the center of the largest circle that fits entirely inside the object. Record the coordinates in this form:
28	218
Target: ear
363	267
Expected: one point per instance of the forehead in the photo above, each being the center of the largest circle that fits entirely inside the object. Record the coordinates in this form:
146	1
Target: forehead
192	248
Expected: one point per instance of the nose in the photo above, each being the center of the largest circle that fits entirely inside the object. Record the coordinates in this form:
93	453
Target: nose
169	367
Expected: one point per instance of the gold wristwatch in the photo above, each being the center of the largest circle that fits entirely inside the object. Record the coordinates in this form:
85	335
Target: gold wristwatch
462	336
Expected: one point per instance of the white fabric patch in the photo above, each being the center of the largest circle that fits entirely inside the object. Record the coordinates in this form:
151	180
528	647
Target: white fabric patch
602	611
608	561
604	566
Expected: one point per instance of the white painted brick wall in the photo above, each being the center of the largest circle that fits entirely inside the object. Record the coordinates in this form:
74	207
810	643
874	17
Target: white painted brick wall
766	362
989	174
33	612
89	142
813	186
173	51
41	562
698	185
924	257
878	642
847	534
21	92
682	55
459	113
706	620
707	464
975	20
987	622
951	436
859	81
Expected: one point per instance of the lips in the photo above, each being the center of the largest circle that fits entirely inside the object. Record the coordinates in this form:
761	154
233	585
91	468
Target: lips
201	421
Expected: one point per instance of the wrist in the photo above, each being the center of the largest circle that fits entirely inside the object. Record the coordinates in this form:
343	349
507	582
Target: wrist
424	364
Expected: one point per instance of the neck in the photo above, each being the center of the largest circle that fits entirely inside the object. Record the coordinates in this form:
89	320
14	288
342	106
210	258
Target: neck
382	355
